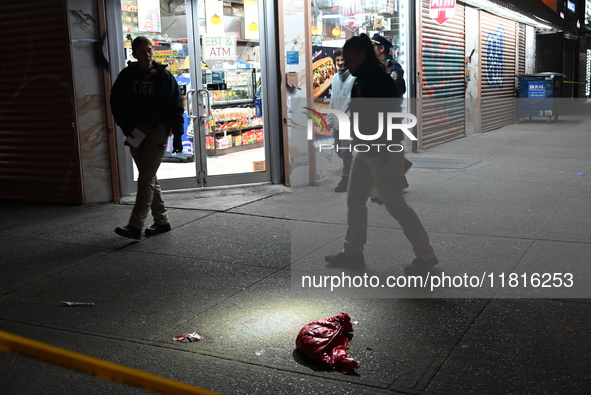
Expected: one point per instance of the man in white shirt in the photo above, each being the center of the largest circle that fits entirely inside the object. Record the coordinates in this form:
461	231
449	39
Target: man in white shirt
342	83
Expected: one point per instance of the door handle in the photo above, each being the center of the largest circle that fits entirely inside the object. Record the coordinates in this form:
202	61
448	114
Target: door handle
207	104
189	109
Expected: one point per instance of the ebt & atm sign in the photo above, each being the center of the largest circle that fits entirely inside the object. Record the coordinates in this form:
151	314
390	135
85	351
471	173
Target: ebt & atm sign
391	120
216	47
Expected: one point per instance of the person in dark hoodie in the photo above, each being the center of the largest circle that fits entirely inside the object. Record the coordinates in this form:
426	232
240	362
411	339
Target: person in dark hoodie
374	92
147	105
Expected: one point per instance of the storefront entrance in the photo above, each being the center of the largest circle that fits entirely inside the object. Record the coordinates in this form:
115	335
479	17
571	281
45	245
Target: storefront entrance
214	50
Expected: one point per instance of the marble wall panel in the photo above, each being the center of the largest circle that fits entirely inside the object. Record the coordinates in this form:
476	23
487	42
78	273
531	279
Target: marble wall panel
90	101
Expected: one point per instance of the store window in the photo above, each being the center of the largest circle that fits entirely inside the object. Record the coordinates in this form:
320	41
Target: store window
333	22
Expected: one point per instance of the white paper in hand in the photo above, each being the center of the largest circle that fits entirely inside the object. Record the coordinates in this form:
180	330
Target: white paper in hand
135	138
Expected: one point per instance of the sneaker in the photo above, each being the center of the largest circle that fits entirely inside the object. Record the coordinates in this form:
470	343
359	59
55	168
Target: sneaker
342	186
343	259
129	231
156	229
420	267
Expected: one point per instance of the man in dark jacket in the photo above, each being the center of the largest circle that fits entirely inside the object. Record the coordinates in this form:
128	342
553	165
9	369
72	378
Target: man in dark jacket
147	105
374	94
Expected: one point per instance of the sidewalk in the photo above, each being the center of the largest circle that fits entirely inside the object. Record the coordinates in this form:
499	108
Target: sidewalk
508	201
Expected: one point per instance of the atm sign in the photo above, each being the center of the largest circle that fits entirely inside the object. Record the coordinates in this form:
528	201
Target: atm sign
219	47
442	11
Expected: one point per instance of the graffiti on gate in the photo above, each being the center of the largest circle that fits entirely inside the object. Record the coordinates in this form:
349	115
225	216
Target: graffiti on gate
443	77
494	58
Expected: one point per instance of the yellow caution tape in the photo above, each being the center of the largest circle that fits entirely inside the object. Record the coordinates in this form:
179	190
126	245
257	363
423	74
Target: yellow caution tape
94	366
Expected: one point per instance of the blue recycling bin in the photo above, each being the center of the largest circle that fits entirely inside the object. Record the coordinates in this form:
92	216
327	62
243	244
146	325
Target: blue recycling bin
539	95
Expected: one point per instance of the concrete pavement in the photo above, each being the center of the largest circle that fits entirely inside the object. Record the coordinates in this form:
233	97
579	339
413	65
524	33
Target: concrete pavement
514	200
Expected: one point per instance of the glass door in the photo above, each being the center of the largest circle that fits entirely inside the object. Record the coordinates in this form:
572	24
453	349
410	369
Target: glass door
212	48
233	148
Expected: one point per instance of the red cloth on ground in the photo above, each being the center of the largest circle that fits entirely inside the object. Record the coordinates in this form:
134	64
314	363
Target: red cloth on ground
326	340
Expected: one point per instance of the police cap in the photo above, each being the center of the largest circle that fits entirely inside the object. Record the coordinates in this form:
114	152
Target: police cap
381	40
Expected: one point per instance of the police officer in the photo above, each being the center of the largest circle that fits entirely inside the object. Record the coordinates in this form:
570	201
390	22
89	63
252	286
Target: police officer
383	48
